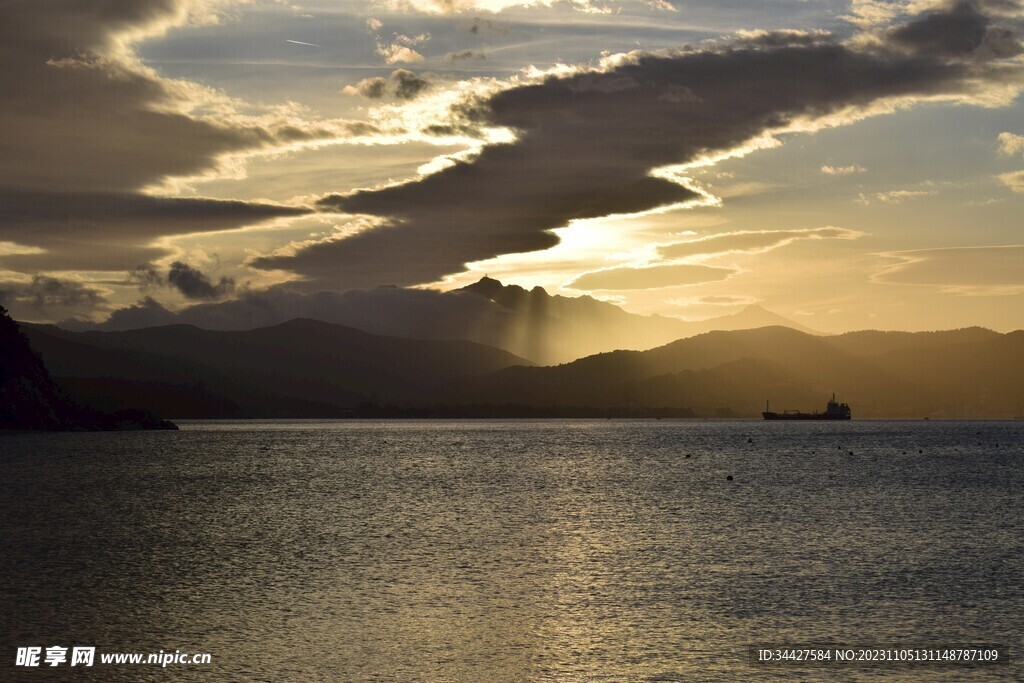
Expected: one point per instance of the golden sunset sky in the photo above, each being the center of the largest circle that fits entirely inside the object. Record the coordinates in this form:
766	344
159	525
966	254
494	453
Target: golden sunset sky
848	165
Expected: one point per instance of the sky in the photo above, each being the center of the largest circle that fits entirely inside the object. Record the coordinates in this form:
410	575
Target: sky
847	164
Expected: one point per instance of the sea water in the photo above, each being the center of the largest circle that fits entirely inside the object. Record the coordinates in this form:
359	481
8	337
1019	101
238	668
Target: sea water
498	551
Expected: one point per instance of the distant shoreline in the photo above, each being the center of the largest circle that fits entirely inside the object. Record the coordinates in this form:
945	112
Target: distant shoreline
256	420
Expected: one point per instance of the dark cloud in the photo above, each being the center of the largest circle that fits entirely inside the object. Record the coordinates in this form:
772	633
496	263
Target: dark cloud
481	25
784	38
402	83
191	282
194	284
464	55
373	88
147	277
48	295
960	30
407	85
111	231
587	143
77	113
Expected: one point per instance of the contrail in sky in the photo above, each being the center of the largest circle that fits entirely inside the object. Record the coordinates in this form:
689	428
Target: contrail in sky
299	42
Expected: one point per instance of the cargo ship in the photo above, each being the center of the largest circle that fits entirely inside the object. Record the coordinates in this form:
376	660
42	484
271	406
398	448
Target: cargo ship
834	411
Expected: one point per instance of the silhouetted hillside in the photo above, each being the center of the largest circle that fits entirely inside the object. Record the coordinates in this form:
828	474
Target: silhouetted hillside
875	342
302	368
973	373
30	399
793	359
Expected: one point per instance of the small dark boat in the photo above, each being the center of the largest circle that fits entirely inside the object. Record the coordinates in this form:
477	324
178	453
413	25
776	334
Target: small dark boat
834	411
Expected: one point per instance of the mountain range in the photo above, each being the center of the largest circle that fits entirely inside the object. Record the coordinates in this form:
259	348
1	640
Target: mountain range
307	368
532	324
960	373
556	329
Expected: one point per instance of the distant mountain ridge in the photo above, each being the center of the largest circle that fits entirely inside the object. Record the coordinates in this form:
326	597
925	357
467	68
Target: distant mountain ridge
307	368
959	373
531	324
750	318
558	329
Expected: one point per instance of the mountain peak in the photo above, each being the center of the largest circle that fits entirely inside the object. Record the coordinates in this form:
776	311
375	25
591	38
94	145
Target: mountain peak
755	315
506	295
486	281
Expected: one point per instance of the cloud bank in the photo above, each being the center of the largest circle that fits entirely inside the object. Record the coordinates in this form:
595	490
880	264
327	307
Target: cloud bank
111	230
590	143
87	127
